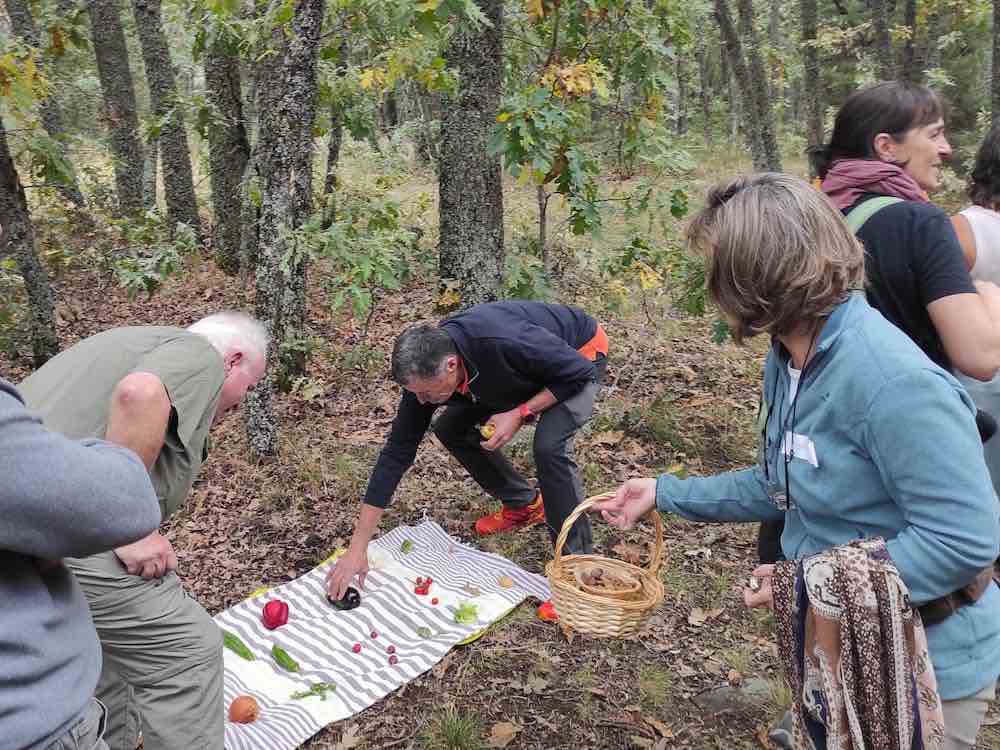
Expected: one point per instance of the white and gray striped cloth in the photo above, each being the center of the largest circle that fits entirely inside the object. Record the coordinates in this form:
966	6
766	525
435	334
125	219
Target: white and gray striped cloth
320	638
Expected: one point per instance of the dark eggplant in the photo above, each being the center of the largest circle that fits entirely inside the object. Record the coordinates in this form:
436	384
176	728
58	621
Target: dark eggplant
351	599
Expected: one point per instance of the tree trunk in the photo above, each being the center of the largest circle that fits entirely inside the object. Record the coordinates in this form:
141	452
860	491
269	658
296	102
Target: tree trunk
733	99
704	86
908	57
884	63
471	247
286	104
119	102
758	88
249	219
681	117
427	145
776	91
175	156
752	83
390	111
23	25
229	152
332	162
150	160
18	241
810	63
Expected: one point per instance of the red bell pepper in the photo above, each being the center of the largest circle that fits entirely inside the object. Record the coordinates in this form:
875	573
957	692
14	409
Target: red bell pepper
275	614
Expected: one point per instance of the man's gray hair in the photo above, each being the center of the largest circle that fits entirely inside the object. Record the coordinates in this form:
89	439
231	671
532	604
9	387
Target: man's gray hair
231	330
420	352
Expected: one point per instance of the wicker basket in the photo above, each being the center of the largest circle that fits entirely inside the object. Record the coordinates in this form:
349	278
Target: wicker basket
588	609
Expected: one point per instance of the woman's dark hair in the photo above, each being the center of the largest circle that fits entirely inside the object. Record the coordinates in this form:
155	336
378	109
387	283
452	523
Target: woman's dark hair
984	184
893	107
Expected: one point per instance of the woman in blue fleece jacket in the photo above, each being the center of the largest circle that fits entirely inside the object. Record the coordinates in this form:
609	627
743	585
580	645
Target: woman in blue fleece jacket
861	435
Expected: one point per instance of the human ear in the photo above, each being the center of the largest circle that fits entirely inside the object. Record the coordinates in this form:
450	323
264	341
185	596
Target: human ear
233	359
885	147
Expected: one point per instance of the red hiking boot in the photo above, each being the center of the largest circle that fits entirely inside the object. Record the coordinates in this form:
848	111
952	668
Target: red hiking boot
547	613
510	519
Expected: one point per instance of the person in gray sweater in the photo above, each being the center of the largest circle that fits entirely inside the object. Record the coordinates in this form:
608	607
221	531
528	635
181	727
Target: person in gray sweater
58	498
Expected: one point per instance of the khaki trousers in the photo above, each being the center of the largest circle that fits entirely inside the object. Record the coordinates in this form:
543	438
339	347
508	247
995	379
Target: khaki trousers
162	671
87	733
964	717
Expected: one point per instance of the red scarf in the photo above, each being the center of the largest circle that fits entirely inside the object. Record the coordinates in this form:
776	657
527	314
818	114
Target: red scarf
849	179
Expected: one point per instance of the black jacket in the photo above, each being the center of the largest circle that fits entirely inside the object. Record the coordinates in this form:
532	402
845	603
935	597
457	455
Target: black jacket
511	351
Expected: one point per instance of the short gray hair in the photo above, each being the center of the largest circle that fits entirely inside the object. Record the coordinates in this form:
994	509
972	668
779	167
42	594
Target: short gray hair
420	352
229	330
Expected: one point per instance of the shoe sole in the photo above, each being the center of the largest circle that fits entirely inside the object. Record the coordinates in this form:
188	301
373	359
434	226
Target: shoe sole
525	525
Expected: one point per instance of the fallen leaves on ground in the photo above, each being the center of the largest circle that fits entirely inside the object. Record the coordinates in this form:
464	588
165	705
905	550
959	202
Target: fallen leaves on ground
349	739
503	733
699	616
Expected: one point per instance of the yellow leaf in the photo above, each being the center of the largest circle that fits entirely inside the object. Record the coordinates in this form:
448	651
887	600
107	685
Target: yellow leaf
428	6
535	9
372	78
504	116
449	299
648	278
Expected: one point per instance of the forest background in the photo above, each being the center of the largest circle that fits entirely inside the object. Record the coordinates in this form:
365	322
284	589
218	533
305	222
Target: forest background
342	168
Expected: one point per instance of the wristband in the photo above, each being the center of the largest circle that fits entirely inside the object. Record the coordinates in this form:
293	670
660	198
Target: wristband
526	414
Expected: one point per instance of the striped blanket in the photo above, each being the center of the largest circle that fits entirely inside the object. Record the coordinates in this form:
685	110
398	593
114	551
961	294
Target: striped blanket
322	639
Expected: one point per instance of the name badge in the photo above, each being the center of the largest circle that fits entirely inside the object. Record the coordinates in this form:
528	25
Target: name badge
800	447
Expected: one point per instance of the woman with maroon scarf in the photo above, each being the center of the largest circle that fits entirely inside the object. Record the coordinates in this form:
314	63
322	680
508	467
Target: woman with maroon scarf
888	141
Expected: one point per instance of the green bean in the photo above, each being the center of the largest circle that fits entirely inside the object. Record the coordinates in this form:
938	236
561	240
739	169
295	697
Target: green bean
234	644
283	660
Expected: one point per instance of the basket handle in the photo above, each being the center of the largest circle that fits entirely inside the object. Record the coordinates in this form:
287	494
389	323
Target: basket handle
657	558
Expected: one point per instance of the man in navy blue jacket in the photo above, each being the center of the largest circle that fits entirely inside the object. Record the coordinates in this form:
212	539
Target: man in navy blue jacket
505	364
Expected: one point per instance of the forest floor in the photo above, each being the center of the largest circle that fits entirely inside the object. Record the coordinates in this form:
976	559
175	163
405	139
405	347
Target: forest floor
702	673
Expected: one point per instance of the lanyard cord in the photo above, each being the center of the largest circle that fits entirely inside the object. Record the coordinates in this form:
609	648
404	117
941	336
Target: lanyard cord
790	417
787	454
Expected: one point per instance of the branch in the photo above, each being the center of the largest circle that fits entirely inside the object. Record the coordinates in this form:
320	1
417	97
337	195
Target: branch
555	39
522	40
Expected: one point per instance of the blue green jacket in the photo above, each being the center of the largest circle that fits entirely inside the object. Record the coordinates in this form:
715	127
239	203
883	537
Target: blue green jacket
884	444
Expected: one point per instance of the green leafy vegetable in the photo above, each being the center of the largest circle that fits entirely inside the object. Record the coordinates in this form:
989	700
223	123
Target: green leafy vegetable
406	547
424	632
319	689
466	613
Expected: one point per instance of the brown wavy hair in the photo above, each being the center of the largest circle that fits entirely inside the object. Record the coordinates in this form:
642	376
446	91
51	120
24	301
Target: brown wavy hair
779	255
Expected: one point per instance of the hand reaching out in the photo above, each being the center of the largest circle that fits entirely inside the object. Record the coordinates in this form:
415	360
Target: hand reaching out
631	502
342	574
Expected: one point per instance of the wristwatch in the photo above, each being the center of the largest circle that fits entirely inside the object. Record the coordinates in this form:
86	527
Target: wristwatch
526	414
